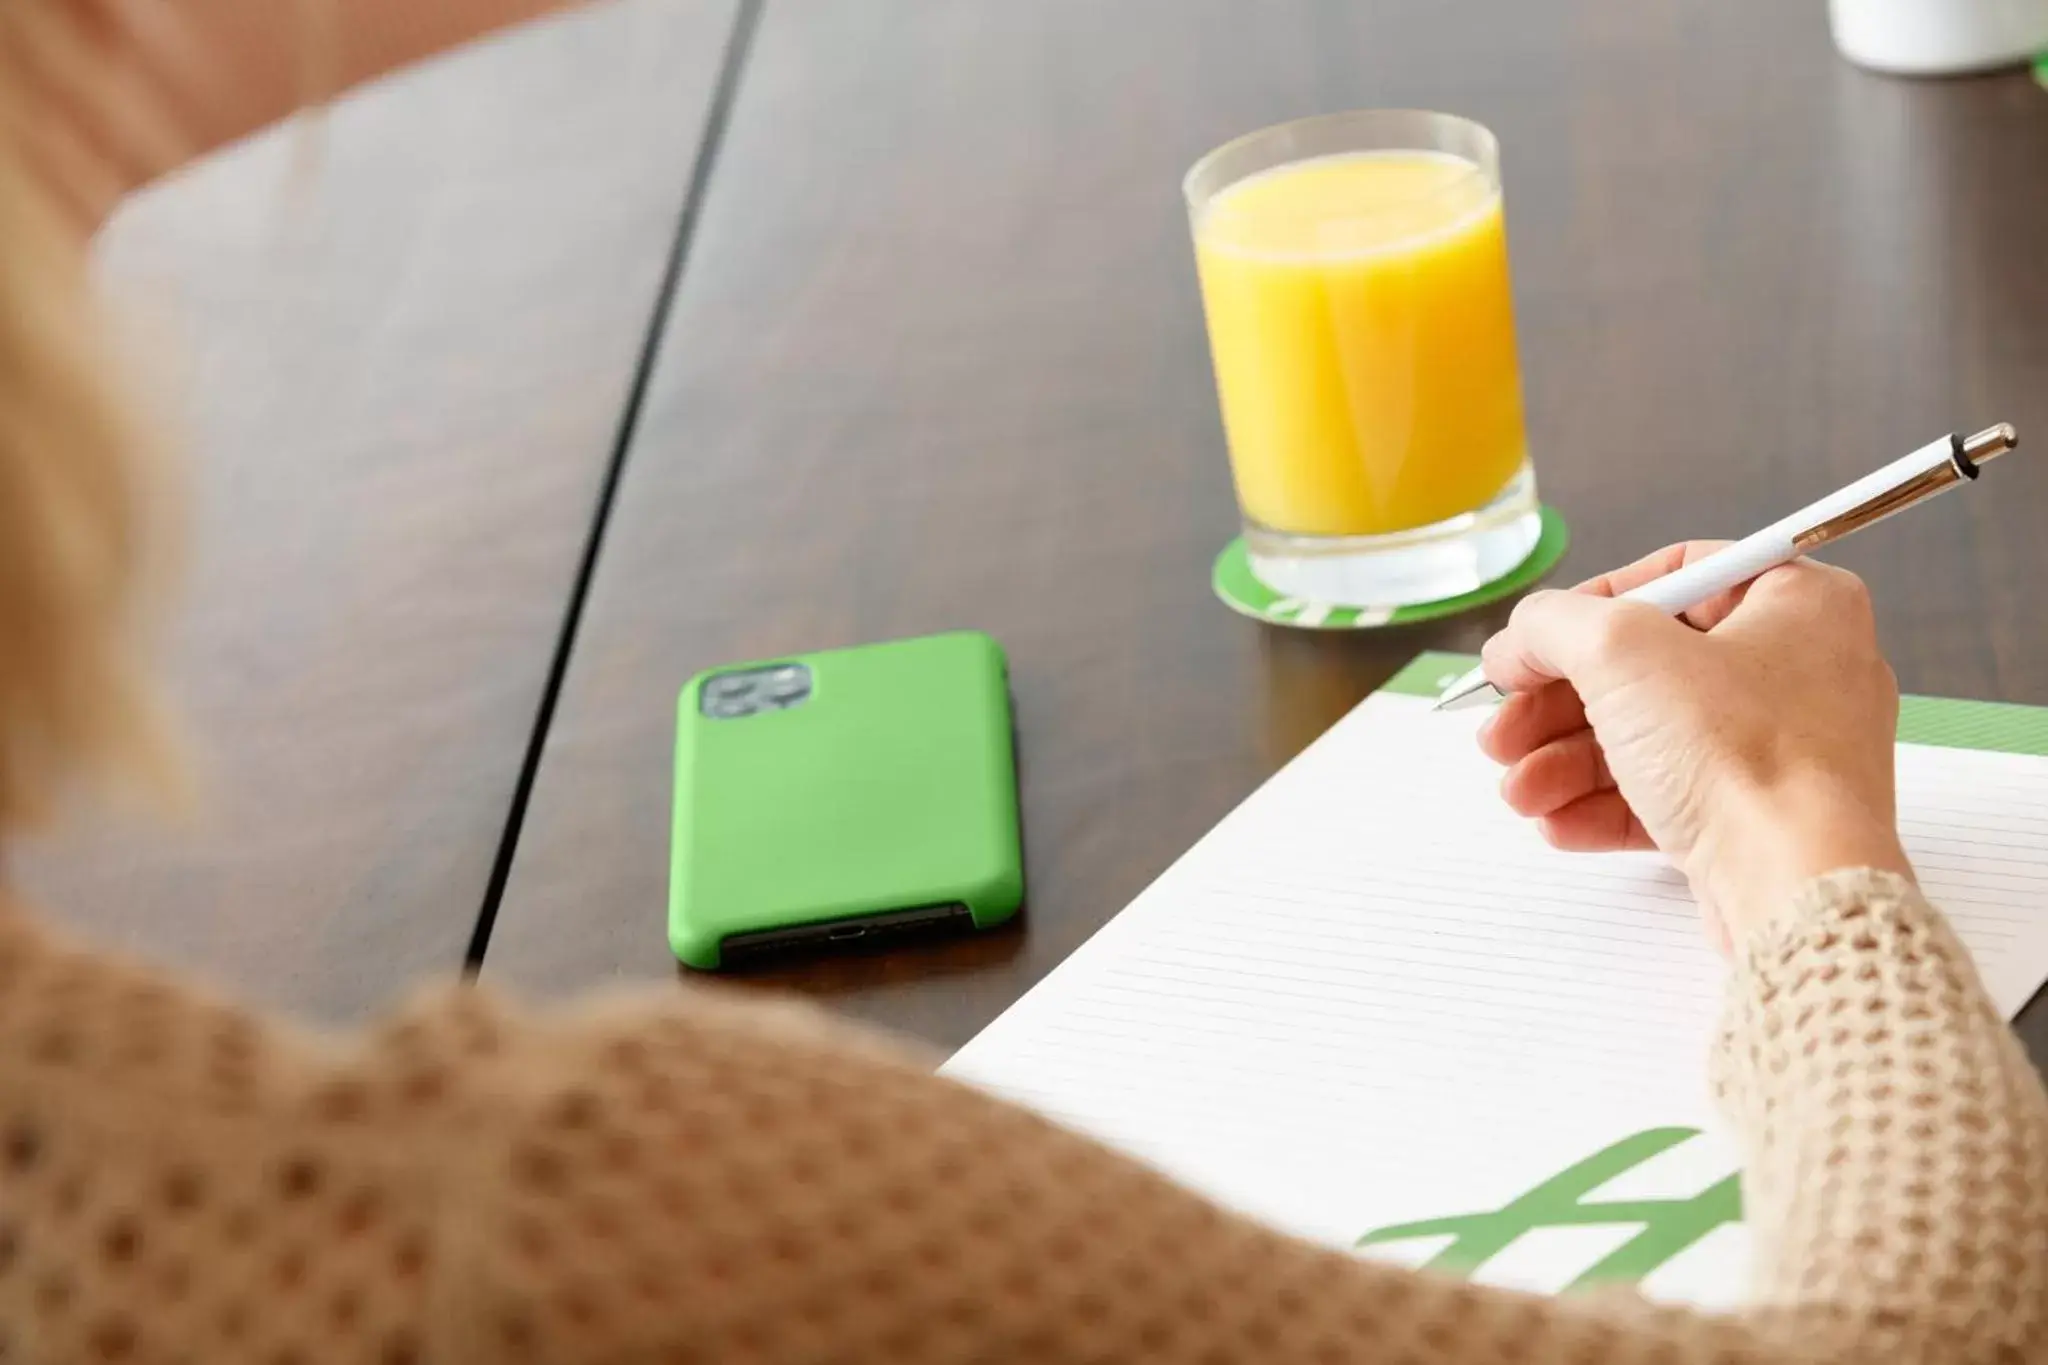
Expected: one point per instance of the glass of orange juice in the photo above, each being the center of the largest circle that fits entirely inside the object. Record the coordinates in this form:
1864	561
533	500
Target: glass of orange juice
1354	273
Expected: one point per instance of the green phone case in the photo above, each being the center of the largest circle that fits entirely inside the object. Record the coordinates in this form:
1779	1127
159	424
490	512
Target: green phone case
890	786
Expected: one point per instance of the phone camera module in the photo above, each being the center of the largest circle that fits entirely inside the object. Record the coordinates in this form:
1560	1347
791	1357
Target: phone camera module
787	685
729	696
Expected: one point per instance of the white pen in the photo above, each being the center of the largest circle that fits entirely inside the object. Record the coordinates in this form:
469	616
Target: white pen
1934	468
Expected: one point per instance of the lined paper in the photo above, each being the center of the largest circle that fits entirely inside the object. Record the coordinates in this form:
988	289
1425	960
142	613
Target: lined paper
1372	995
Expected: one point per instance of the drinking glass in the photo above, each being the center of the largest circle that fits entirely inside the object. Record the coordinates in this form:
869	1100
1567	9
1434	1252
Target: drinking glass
1354	273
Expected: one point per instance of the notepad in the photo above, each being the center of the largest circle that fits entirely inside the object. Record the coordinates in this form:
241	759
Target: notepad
1373	1008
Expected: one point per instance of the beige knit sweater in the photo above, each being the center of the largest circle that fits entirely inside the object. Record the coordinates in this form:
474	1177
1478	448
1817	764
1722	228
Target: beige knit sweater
689	1178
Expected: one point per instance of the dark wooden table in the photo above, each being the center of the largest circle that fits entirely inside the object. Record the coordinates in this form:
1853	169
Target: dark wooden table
938	361
405	372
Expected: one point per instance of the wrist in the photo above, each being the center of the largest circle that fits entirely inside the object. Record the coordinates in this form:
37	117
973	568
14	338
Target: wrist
1773	844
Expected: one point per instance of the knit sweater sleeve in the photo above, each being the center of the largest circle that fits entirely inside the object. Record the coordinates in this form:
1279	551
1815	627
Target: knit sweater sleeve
726	1183
693	1179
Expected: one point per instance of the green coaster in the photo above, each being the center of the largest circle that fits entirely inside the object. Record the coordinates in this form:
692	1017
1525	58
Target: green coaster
1243	593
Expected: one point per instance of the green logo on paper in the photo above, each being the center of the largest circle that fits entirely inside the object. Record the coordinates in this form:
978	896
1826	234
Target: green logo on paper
1666	1226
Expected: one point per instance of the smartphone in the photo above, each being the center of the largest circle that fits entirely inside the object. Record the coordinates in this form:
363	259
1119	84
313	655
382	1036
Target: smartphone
850	797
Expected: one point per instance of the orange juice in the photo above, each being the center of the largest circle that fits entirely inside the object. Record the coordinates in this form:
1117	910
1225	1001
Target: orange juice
1364	341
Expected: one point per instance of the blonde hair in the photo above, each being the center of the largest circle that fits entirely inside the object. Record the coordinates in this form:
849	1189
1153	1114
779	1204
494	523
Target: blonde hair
77	540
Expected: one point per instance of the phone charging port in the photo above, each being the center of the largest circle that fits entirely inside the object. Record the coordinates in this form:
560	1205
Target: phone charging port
855	934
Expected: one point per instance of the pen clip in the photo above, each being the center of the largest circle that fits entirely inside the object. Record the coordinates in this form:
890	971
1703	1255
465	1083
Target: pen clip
1963	458
1892	500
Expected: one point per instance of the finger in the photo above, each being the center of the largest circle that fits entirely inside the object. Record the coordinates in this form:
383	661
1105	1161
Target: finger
1715	609
1651	566
1599	823
1670	559
1584	639
1527	721
1808	589
1556	775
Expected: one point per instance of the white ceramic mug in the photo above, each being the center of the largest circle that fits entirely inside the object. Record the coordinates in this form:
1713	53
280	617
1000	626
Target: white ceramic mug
1939	37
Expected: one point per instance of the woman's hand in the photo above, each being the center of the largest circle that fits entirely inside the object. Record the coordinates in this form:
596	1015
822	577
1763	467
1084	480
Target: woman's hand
1752	745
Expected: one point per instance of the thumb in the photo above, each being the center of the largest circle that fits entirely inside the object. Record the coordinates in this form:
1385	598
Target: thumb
1591	642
